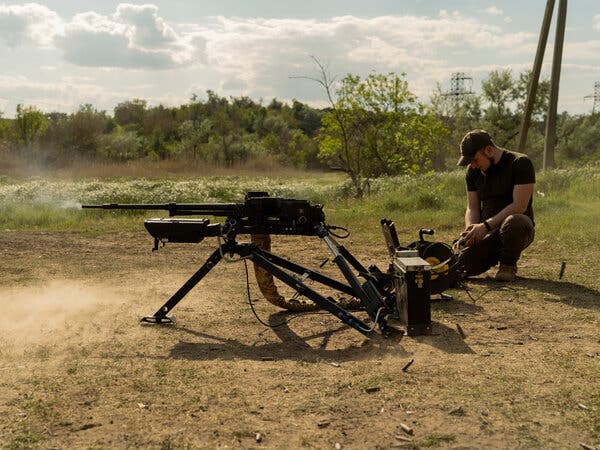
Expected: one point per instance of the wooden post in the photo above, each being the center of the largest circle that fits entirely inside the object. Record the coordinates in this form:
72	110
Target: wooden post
554	83
535	76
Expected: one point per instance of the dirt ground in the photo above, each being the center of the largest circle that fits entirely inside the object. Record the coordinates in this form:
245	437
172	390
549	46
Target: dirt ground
514	366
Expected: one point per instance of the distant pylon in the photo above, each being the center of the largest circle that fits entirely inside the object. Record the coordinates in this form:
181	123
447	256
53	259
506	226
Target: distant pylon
595	97
460	86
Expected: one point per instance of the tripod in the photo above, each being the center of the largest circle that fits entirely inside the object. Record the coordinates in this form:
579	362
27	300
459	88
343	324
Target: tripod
372	300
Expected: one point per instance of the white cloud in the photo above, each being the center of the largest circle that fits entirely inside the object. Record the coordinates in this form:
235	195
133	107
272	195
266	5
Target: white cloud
263	53
493	11
596	22
585	50
134	37
257	56
32	22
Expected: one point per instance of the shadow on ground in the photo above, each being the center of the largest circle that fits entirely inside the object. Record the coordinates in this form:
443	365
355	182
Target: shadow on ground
311	347
572	294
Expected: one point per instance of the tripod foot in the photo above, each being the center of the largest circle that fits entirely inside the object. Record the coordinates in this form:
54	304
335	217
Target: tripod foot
158	320
389	332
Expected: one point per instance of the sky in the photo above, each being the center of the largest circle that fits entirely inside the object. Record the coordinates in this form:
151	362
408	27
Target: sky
57	54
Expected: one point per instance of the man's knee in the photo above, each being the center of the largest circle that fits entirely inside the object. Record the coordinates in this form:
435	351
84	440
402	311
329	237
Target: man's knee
517	230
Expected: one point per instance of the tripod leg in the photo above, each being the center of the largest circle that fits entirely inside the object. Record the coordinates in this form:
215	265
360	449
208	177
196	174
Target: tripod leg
303	289
160	316
296	268
372	300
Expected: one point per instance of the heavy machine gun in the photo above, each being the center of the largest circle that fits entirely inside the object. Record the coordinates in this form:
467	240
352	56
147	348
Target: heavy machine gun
402	292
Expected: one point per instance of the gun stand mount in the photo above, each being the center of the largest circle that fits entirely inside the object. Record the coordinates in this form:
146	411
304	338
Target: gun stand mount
367	292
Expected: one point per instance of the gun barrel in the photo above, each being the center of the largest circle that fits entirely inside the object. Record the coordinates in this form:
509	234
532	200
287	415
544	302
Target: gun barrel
176	209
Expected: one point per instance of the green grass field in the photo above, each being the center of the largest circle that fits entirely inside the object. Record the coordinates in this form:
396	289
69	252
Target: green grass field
566	202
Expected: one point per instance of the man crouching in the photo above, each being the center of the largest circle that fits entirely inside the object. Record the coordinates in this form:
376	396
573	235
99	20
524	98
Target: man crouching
499	217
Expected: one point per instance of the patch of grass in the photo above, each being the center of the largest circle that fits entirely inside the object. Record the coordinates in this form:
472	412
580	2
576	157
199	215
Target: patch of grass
434	440
25	439
36	407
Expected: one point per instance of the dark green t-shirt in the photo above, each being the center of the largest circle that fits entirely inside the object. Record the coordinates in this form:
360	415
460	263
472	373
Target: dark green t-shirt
495	186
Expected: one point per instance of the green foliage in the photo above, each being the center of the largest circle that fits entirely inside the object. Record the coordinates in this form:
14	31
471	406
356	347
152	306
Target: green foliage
131	112
437	200
377	127
30	124
578	138
83	130
120	145
374	127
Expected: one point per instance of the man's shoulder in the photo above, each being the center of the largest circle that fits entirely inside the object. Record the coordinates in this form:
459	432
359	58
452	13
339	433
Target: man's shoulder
514	156
522	167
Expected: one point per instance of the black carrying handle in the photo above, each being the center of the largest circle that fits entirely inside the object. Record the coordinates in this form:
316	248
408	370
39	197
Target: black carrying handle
423	231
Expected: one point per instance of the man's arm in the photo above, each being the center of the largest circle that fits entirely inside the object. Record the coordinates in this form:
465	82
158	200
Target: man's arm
473	212
521	195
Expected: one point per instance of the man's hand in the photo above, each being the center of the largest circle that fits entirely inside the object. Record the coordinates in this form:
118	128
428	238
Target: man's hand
473	234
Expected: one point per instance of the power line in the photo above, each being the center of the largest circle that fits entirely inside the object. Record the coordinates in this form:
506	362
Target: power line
595	97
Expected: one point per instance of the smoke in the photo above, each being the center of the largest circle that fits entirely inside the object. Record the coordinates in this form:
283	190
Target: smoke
56	312
70	204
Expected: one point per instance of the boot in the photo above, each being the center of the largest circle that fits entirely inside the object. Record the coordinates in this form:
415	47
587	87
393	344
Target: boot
506	273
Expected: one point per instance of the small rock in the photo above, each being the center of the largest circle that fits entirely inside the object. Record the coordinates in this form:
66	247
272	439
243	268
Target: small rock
406	428
372	389
323	423
334	364
485	412
586	446
142	406
582	406
87	426
258	437
458	411
338	446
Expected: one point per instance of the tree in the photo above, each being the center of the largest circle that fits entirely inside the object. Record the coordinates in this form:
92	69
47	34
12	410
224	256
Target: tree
376	127
131	112
308	119
30	124
84	129
521	90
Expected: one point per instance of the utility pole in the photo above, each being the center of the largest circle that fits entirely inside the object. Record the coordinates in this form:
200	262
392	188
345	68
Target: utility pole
550	138
535	75
554	83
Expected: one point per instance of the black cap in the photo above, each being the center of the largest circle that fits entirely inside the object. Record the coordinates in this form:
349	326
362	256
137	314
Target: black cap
473	142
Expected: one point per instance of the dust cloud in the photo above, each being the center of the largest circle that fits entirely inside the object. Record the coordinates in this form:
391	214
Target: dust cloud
50	313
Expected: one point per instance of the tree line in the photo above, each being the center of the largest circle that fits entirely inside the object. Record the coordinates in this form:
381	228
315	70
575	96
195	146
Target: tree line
373	126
